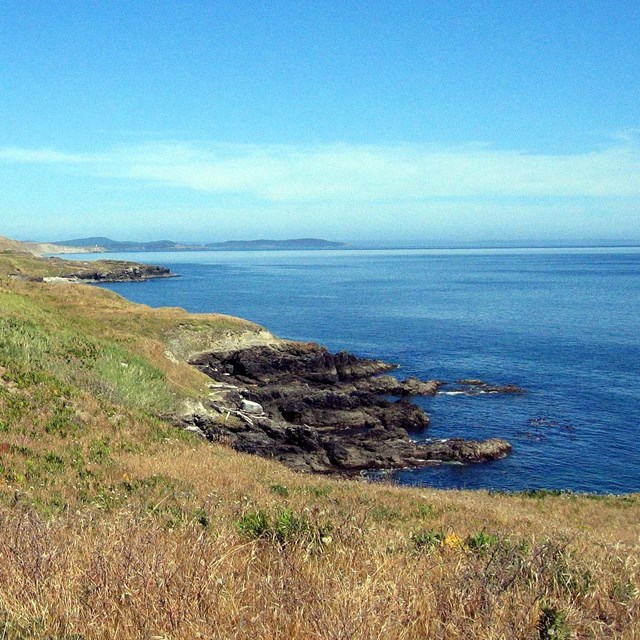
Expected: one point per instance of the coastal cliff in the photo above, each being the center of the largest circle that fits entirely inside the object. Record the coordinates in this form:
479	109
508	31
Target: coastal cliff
59	270
109	271
22	261
115	523
294	402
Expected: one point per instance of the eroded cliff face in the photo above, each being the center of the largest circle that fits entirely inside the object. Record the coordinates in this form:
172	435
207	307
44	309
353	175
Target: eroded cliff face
322	412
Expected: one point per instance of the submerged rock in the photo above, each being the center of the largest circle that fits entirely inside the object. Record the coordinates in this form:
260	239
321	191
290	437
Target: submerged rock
475	387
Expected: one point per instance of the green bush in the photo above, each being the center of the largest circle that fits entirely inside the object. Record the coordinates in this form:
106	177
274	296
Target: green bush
427	541
481	541
284	527
280	490
553	625
254	524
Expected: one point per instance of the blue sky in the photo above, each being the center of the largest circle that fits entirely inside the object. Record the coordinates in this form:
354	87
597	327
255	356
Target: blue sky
423	122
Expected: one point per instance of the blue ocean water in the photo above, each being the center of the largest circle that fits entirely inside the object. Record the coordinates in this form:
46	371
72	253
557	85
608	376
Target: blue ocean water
562	323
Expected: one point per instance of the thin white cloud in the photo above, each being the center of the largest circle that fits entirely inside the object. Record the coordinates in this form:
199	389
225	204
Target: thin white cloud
280	173
18	154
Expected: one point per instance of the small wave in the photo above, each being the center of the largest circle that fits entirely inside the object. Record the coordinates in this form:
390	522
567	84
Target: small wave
468	392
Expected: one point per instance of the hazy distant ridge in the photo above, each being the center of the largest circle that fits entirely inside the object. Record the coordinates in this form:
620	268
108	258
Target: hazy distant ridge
108	245
39	248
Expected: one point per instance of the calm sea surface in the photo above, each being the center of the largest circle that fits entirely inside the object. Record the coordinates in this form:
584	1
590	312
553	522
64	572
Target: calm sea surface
562	323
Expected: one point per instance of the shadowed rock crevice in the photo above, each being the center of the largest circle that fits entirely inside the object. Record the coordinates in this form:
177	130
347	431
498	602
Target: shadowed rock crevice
323	412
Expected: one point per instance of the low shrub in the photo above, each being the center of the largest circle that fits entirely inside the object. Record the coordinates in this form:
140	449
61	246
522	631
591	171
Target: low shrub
428	541
481	541
284	527
553	624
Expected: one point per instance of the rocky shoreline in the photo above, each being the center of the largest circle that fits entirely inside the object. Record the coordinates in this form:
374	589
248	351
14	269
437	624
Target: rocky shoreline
108	271
326	413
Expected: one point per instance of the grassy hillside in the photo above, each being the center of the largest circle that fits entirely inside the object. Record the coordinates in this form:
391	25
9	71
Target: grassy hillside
37	248
20	261
115	524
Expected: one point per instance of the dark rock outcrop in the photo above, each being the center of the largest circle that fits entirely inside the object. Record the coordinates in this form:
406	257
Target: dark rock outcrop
113	271
475	387
322	412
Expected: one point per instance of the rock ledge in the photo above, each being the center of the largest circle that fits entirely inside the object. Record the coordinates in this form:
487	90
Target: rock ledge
321	412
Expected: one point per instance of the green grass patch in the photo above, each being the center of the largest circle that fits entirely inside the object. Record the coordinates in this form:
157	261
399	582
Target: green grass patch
30	351
284	527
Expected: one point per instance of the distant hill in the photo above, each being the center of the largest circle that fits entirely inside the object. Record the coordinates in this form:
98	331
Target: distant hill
261	245
6	244
108	245
39	248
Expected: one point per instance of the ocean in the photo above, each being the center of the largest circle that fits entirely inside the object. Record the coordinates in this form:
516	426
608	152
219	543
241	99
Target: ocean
564	324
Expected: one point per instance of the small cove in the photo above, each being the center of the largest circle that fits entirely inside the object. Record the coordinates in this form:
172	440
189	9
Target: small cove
562	323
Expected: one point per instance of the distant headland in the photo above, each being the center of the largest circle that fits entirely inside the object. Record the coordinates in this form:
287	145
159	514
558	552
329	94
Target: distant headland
107	245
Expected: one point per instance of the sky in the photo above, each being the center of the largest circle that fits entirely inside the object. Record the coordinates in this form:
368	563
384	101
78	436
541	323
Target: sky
409	122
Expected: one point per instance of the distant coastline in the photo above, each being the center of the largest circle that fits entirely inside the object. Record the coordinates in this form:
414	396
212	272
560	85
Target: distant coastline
493	244
107	245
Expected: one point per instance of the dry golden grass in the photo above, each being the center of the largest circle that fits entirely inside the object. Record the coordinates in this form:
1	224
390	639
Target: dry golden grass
166	558
35	248
113	524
